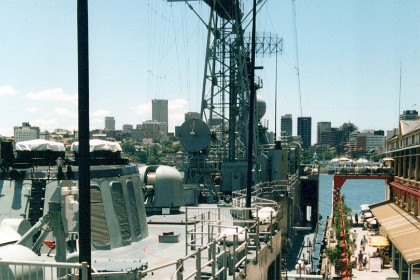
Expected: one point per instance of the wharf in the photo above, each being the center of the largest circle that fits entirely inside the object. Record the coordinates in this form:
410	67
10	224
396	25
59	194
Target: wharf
371	271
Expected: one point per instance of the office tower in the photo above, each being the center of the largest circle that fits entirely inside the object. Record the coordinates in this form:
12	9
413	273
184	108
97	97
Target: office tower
109	123
304	128
287	125
160	113
322	127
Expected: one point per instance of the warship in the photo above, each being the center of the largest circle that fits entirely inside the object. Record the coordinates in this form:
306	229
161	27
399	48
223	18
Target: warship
242	210
144	222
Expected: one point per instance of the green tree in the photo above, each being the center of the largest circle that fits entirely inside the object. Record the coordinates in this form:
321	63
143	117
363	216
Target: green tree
347	128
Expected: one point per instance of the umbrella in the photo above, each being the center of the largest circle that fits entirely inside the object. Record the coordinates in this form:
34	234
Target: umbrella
361	160
387	159
378	241
343	159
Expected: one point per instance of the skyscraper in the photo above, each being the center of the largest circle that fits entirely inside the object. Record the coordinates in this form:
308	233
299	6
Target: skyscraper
160	112
287	124
322	127
109	123
304	130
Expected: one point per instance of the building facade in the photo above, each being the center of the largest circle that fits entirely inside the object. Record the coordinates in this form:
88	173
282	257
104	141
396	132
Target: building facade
304	127
109	123
409	115
192	116
25	132
322	127
361	143
398	216
286	125
160	113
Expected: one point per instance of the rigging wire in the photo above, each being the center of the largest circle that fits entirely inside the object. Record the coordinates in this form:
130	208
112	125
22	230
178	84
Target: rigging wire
297	55
176	50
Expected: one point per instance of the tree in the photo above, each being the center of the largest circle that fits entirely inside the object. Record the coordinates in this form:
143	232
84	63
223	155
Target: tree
347	128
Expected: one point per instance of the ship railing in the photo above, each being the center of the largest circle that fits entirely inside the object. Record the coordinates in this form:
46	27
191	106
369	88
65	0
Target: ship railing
34	270
218	259
226	253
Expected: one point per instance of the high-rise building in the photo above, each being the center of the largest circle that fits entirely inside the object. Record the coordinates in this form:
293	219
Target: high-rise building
409	115
192	116
322	127
160	113
304	130
286	125
331	137
25	132
109	123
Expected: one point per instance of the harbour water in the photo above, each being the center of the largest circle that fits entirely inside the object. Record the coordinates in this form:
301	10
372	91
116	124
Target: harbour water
355	192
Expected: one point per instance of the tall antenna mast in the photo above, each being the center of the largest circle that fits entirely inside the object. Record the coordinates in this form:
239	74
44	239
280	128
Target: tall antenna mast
297	55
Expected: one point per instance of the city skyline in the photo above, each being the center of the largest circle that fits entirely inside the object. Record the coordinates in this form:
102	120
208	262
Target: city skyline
350	58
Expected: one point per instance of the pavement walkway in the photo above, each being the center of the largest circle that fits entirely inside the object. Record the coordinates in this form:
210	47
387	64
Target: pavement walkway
373	270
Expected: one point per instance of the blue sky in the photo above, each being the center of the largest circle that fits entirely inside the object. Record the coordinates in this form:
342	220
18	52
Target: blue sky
349	56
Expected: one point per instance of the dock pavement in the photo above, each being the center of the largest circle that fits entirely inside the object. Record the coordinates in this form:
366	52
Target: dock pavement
372	271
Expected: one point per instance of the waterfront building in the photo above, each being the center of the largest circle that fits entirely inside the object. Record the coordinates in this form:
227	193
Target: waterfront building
25	132
286	125
160	113
322	127
304	127
398	217
109	123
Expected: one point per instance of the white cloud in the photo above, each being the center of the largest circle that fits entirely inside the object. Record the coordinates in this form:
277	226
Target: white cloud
43	124
56	94
100	113
177	109
7	90
32	110
144	110
97	119
64	112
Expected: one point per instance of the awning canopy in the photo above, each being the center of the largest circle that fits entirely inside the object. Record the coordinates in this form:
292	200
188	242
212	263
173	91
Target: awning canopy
401	228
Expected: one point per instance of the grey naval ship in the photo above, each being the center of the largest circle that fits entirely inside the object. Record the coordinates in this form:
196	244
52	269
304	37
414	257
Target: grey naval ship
243	208
145	222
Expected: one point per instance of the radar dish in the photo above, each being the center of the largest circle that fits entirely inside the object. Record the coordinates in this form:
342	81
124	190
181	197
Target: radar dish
194	135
